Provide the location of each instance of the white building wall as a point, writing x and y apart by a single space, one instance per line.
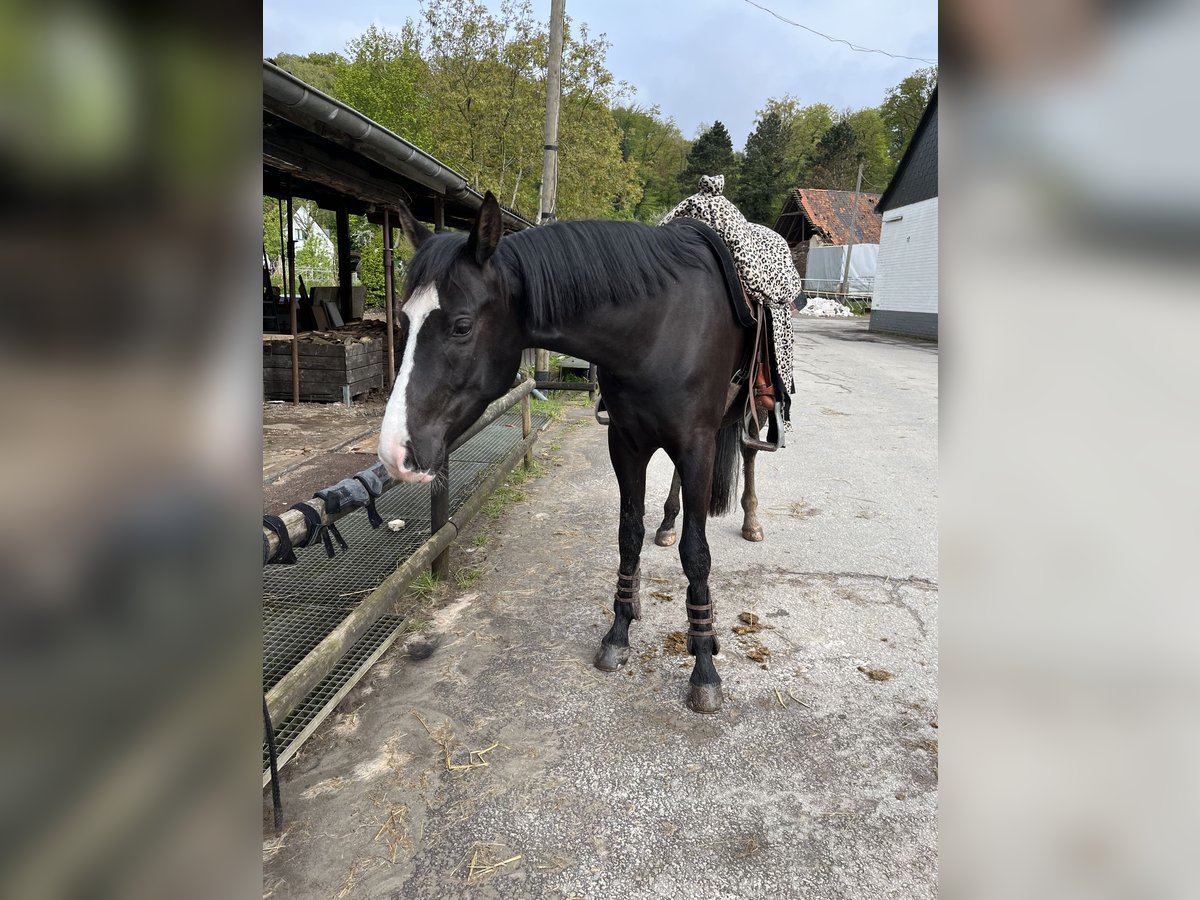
906 279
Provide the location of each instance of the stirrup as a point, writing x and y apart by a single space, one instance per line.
601 410
776 433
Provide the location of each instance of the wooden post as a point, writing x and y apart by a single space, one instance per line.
293 301
345 276
592 379
439 515
547 193
389 298
439 213
527 429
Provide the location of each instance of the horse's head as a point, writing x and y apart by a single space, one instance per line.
461 344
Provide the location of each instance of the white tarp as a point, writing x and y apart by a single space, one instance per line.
824 307
825 265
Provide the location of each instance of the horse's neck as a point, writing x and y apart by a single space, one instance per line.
601 336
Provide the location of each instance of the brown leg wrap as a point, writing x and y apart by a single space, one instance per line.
628 591
697 616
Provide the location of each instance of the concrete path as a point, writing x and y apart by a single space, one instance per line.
818 778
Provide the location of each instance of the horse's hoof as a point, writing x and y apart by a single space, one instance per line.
665 538
753 534
610 657
704 698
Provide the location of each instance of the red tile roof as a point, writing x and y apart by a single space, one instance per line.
830 212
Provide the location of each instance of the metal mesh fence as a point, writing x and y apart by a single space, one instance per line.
303 603
329 692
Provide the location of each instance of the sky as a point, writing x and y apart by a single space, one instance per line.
698 60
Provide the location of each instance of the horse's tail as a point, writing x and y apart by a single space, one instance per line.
725 469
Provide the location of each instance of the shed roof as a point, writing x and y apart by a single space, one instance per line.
830 214
317 147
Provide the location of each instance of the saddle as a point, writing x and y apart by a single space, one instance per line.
758 364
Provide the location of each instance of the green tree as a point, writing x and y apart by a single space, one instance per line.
488 79
272 243
804 126
594 178
765 172
314 261
384 78
870 145
368 242
317 69
658 151
903 106
711 154
834 164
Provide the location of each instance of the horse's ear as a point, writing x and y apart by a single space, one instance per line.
487 231
416 233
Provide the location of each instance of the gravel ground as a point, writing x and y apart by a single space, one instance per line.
818 778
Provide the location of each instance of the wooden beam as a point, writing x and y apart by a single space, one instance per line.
389 299
345 281
293 304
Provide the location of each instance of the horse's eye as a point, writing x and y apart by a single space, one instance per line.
462 327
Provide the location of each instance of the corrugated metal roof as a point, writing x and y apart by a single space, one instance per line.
832 212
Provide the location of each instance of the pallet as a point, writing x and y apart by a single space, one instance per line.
326 369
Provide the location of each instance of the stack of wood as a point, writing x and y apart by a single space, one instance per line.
330 361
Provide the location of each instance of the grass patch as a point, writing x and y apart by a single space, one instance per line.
504 497
481 538
464 578
425 585
510 491
553 406
523 473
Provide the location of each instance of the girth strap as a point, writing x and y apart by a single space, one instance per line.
761 373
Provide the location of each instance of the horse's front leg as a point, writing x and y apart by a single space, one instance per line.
751 528
704 689
630 467
665 536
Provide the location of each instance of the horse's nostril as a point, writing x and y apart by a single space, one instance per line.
393 457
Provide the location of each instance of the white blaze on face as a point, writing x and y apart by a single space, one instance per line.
394 434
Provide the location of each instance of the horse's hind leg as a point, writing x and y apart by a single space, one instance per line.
630 467
666 531
751 528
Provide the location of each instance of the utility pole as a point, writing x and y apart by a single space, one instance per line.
845 285
549 186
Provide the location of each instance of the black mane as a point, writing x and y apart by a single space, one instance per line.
559 271
568 268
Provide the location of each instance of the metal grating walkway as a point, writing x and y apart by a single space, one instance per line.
304 602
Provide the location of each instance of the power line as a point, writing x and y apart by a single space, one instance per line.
852 46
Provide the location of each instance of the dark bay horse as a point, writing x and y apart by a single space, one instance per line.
649 306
